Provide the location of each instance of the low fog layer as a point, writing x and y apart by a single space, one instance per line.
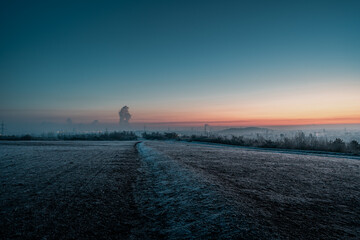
68 126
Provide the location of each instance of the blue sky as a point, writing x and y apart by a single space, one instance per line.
167 59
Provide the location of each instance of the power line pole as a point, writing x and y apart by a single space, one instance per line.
206 126
2 128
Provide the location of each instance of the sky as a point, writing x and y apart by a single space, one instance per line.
236 63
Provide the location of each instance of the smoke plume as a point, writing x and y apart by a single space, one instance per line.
124 115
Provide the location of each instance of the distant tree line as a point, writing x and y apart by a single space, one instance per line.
112 136
299 142
161 136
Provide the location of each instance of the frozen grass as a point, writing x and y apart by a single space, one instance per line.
179 205
299 142
174 190
291 195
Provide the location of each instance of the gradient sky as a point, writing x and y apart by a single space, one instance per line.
224 62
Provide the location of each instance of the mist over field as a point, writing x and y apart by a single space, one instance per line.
180 119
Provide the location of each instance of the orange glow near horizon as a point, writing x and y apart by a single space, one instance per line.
228 117
333 105
258 122
315 104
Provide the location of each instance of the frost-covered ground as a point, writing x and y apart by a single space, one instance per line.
67 190
180 205
290 195
174 190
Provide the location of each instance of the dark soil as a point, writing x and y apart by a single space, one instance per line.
68 190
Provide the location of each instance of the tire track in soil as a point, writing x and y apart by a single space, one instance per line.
178 204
